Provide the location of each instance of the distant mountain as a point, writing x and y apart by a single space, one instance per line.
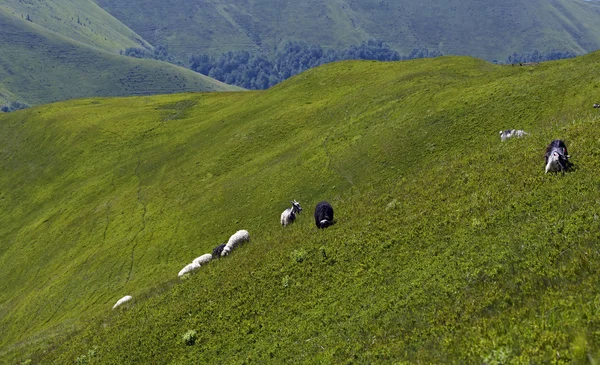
39 65
486 29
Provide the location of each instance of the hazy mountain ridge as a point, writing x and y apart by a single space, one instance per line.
485 29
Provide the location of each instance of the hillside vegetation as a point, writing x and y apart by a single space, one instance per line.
486 29
81 20
39 66
450 246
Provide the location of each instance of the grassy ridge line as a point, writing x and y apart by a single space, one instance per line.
83 21
418 138
40 66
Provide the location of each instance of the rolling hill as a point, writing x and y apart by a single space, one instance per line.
485 29
450 246
40 66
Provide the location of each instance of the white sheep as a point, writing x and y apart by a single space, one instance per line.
188 269
504 135
289 215
237 238
203 260
122 300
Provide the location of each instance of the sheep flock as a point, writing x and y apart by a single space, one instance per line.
556 159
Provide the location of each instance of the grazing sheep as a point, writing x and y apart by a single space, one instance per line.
203 260
237 238
188 269
504 135
596 105
217 251
289 215
122 300
324 215
557 157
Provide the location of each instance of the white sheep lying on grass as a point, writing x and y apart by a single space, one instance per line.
504 135
188 269
122 300
237 238
203 260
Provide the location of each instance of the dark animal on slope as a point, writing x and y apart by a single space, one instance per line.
217 251
596 105
324 215
557 157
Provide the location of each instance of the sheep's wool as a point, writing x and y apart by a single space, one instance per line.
122 300
237 238
188 269
202 260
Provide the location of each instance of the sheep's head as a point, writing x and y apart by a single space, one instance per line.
505 134
296 206
553 162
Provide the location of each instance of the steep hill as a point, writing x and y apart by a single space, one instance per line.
486 29
450 246
81 20
40 66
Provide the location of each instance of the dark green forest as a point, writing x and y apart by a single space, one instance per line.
262 70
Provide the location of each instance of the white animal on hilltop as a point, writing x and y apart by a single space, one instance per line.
236 239
122 300
289 215
504 135
203 260
188 269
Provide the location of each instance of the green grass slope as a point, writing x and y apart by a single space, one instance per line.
450 246
485 29
40 66
81 20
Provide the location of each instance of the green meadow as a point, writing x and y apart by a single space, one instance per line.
450 245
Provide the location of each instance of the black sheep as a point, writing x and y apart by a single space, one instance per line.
324 215
557 157
217 251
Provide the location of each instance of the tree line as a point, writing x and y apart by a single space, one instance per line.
13 106
537 56
261 71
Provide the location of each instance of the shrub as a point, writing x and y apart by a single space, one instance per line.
190 337
299 255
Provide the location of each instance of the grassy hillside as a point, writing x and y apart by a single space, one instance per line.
450 246
81 20
485 29
39 66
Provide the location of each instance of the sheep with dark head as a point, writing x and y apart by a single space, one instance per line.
218 250
289 215
324 215
557 157
596 105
